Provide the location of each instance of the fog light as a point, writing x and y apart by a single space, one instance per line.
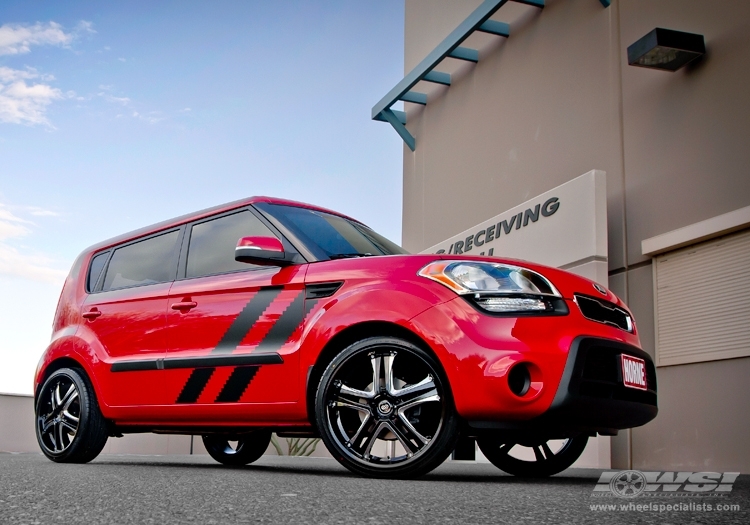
511 304
519 379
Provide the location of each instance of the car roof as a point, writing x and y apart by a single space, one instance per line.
207 212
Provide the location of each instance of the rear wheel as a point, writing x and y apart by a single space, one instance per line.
532 458
237 450
384 410
70 427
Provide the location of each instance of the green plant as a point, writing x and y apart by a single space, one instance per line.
295 446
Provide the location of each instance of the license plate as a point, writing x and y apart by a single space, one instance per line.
634 372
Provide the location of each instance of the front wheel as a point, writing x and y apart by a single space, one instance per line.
70 427
237 450
384 410
533 458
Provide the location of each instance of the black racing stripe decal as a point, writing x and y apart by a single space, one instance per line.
247 318
285 326
309 304
195 385
237 384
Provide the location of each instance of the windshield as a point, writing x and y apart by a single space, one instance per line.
329 236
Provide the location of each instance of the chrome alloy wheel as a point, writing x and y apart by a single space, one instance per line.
384 405
60 415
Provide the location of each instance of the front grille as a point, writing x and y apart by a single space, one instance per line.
604 312
601 376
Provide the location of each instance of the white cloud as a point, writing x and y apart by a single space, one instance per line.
17 263
122 59
16 39
29 266
84 26
22 103
120 100
36 211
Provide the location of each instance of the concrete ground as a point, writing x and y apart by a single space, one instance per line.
278 489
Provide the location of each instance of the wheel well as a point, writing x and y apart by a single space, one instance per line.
350 335
57 364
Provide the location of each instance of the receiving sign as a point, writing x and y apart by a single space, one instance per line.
565 227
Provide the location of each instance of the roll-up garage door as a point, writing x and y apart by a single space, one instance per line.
702 301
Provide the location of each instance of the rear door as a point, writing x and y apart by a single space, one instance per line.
233 328
125 315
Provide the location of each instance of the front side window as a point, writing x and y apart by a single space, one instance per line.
144 262
212 243
331 236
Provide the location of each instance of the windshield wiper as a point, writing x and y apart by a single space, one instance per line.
349 255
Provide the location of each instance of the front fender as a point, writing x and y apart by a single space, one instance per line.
377 302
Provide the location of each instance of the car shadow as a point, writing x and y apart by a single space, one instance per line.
335 471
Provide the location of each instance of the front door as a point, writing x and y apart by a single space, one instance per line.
233 328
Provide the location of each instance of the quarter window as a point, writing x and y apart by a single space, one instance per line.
95 270
212 243
149 261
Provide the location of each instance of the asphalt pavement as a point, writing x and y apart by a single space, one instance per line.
194 489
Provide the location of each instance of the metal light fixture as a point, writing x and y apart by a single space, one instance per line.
666 49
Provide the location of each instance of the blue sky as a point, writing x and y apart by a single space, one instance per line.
115 115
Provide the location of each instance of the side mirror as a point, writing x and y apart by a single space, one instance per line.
266 251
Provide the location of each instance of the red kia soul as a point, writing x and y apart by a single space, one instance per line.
265 315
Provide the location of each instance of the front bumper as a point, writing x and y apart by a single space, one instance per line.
591 396
575 384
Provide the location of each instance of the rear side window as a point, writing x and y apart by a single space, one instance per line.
212 243
145 262
95 270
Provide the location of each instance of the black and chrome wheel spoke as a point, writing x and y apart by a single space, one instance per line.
375 363
410 439
372 437
362 435
47 422
355 393
422 440
425 397
70 396
61 434
69 422
342 402
416 390
388 372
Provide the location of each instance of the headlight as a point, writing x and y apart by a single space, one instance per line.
496 287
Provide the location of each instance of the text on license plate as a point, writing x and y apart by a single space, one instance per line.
634 372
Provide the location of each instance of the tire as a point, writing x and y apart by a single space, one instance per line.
70 427
384 409
249 447
546 462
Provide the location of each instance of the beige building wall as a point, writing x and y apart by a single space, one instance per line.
558 99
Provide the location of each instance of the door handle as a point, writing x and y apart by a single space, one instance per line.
185 305
91 314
